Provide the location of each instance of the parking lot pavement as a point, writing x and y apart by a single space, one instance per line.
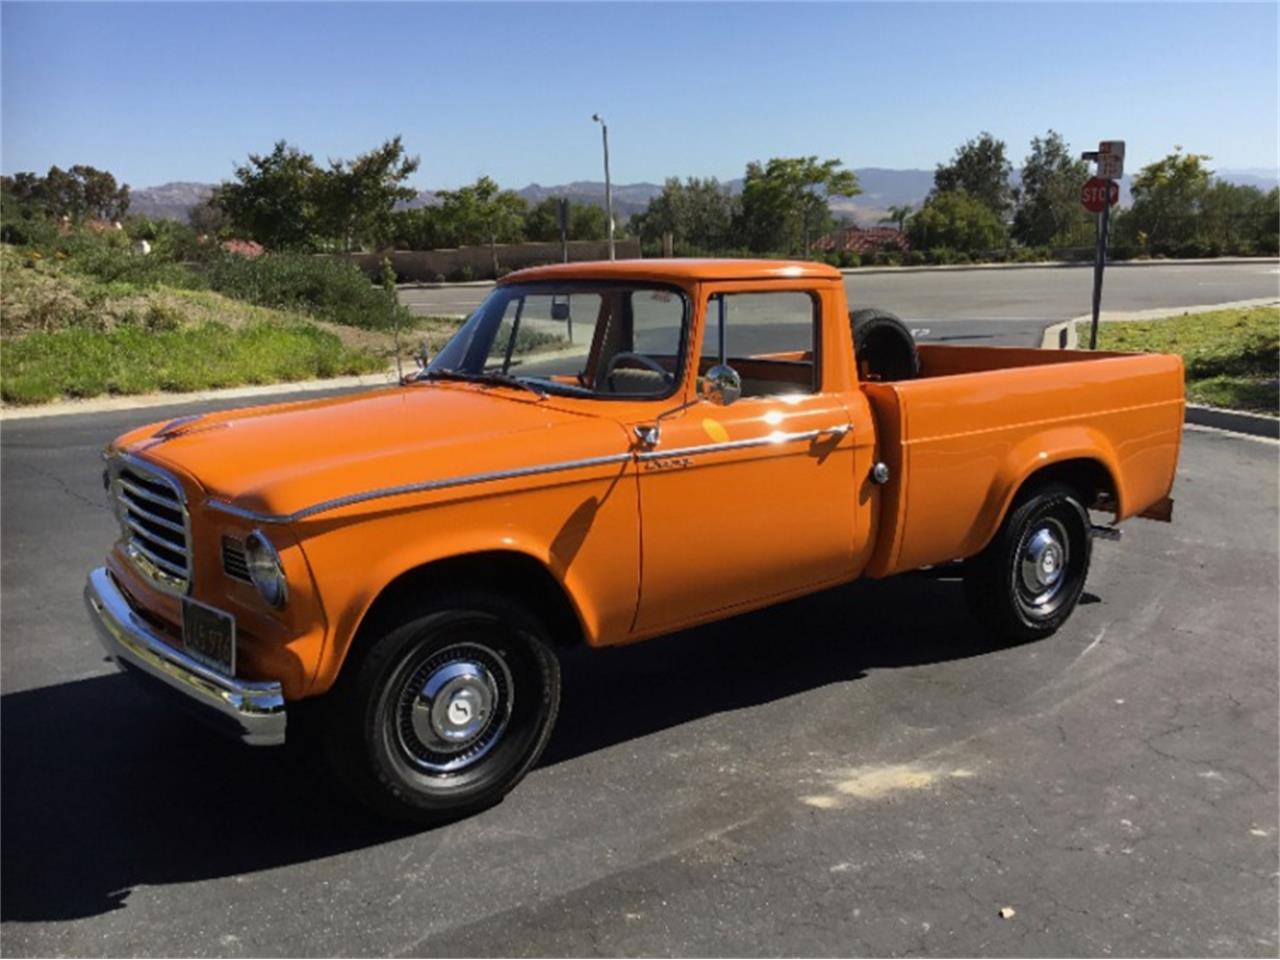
859 772
1005 306
1045 294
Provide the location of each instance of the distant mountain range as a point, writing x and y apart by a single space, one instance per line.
881 188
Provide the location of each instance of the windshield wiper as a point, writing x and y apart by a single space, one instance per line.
488 376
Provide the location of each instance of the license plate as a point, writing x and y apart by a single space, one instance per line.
209 635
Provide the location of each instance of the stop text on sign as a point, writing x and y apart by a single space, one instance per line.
1097 193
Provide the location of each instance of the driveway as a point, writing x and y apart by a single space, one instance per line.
862 771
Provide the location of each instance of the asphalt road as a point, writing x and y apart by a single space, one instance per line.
859 772
995 306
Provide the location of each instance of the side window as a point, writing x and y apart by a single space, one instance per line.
769 338
657 319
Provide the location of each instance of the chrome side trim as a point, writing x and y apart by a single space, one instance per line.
255 708
408 488
772 439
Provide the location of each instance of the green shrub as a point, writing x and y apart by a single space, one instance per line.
849 259
136 359
462 274
116 263
324 287
914 258
942 256
528 340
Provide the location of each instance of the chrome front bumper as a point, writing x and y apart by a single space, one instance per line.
253 711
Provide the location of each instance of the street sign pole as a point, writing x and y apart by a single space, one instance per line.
1099 262
1099 193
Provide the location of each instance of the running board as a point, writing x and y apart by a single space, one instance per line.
1105 533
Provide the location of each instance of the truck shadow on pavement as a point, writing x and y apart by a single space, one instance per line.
102 790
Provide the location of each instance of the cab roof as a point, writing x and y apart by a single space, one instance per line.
677 269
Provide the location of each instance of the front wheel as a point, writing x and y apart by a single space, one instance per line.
1027 581
446 712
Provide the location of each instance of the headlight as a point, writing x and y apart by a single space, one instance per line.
265 570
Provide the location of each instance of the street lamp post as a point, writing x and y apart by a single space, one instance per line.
608 185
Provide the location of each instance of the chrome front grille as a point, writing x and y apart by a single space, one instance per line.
153 516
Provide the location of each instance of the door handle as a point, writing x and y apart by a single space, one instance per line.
839 430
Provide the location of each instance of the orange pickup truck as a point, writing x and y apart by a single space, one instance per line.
604 452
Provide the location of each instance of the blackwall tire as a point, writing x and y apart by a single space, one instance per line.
444 713
1028 580
883 346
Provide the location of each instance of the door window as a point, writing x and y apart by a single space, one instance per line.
769 338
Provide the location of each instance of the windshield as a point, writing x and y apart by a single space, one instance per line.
581 338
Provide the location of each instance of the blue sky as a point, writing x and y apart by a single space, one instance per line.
182 91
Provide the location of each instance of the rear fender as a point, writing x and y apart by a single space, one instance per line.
1034 455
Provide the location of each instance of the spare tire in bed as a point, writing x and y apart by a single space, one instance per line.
883 346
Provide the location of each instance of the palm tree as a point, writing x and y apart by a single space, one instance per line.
899 216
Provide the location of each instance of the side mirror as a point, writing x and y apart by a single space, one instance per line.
721 385
560 311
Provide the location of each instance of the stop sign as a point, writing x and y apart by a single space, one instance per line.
1097 193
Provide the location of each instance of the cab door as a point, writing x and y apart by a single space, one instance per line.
753 500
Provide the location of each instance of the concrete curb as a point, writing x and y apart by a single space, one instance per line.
1065 335
1043 264
1234 421
107 404
428 285
933 268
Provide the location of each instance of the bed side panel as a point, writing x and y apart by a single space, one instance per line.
970 440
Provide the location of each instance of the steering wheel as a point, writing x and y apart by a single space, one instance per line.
640 360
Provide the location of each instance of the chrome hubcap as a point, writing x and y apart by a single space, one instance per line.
454 704
454 708
1043 562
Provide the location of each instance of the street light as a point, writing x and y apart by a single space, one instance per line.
608 185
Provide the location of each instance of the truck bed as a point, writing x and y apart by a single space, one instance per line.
961 439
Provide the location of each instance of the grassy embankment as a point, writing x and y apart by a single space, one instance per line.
84 317
1232 357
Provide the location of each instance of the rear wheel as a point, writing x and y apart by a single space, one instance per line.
1027 582
446 711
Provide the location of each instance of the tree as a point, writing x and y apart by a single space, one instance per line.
484 213
355 200
1048 200
1167 200
420 229
1266 219
274 199
587 221
979 168
83 192
954 220
784 202
697 213
898 216
208 218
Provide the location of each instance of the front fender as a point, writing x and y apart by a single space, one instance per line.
585 535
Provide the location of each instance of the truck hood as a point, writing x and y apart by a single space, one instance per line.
280 459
